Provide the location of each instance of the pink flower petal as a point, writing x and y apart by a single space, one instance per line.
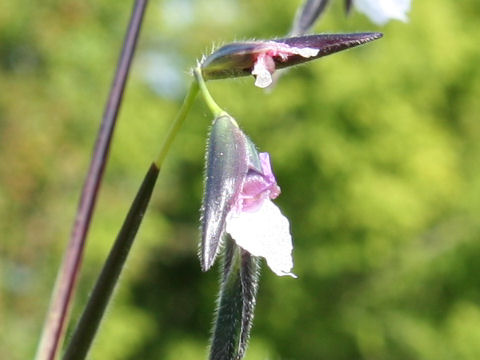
258 186
265 66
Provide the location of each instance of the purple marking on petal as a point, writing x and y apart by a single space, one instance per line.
255 222
258 187
254 192
268 173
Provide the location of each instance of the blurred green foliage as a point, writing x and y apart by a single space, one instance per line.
376 149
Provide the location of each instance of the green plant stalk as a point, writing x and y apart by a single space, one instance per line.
228 324
212 105
58 313
249 274
236 304
177 123
239 284
92 315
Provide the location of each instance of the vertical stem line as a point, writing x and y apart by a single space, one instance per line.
177 123
102 292
92 315
56 319
228 323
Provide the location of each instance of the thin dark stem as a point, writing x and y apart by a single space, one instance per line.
90 320
92 315
57 315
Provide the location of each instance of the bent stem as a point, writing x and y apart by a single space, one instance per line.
216 110
238 286
177 123
92 315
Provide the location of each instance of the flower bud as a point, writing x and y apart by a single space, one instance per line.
239 187
262 58
225 172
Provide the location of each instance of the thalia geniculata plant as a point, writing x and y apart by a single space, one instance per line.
239 217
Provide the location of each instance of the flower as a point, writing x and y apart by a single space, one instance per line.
256 223
381 11
264 65
239 188
262 58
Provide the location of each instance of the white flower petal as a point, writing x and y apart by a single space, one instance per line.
381 11
264 232
305 52
263 78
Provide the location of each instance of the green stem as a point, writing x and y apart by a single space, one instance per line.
212 105
228 323
97 303
62 296
236 304
177 123
92 315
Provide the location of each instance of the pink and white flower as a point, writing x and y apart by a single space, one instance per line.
262 58
239 190
256 223
264 65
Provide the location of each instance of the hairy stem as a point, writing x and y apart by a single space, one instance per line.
236 304
212 105
228 324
